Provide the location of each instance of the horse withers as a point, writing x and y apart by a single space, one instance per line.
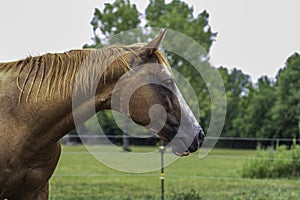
37 107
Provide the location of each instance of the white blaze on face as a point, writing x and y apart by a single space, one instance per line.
187 114
189 126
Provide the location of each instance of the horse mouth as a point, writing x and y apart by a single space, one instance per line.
180 148
186 153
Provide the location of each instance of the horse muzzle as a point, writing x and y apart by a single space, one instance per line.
183 147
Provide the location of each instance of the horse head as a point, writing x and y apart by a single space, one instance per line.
149 95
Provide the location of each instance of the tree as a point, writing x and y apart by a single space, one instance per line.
286 112
237 85
177 15
260 109
255 111
115 18
271 109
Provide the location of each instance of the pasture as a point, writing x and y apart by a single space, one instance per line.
80 176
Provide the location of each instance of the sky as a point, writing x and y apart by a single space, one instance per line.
255 36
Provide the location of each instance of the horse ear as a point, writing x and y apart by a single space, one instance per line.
147 50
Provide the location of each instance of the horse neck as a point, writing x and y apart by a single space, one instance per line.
51 112
42 105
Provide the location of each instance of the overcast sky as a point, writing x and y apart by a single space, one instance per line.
256 36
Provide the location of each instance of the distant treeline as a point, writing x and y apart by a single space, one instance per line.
269 108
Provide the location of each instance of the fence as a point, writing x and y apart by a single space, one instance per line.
148 140
223 155
221 166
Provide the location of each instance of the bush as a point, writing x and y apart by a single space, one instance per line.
282 163
187 196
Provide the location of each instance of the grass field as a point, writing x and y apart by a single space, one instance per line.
80 176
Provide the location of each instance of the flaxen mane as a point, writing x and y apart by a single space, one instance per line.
57 72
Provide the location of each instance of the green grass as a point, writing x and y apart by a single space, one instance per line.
216 177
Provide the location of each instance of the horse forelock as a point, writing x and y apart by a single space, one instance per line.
163 60
57 72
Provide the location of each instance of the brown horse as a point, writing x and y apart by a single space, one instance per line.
36 108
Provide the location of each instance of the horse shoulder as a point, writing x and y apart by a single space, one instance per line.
24 172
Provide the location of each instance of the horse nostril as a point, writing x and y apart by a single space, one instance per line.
194 146
201 136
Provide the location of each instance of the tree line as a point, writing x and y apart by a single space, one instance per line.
268 108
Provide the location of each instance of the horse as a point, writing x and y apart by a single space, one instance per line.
37 110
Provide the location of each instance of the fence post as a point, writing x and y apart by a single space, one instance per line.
162 173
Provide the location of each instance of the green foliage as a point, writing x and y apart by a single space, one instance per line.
237 85
260 109
271 108
255 116
192 194
281 163
286 111
176 15
116 17
267 109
